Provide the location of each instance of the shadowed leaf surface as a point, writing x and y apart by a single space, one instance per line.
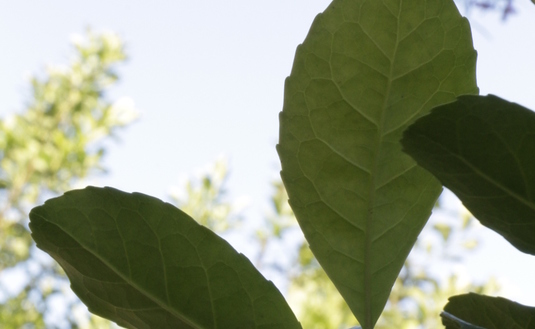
483 149
452 322
145 264
488 313
366 70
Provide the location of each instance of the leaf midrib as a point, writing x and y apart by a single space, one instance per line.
127 280
368 277
368 297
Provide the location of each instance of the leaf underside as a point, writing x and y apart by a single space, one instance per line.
488 312
483 149
452 322
143 263
366 70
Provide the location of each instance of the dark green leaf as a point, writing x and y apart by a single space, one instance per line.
450 321
487 312
483 149
366 70
145 264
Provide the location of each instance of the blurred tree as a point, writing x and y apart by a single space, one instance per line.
45 150
203 198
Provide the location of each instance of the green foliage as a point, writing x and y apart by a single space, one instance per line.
364 72
487 162
481 148
367 70
146 264
19 312
487 312
46 149
48 145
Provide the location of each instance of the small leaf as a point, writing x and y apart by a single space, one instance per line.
483 149
366 70
143 263
486 312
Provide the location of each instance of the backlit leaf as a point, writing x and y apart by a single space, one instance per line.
483 149
478 311
145 264
366 70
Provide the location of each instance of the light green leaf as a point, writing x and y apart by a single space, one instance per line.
479 311
483 149
145 264
366 70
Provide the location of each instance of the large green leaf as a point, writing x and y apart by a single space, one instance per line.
483 149
145 264
366 70
487 312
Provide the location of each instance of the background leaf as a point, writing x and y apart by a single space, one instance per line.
145 264
483 149
366 70
488 312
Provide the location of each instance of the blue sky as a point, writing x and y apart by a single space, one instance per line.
208 78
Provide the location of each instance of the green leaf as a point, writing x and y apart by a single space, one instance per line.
483 149
366 70
487 312
145 264
452 322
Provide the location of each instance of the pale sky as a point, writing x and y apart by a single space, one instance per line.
208 78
